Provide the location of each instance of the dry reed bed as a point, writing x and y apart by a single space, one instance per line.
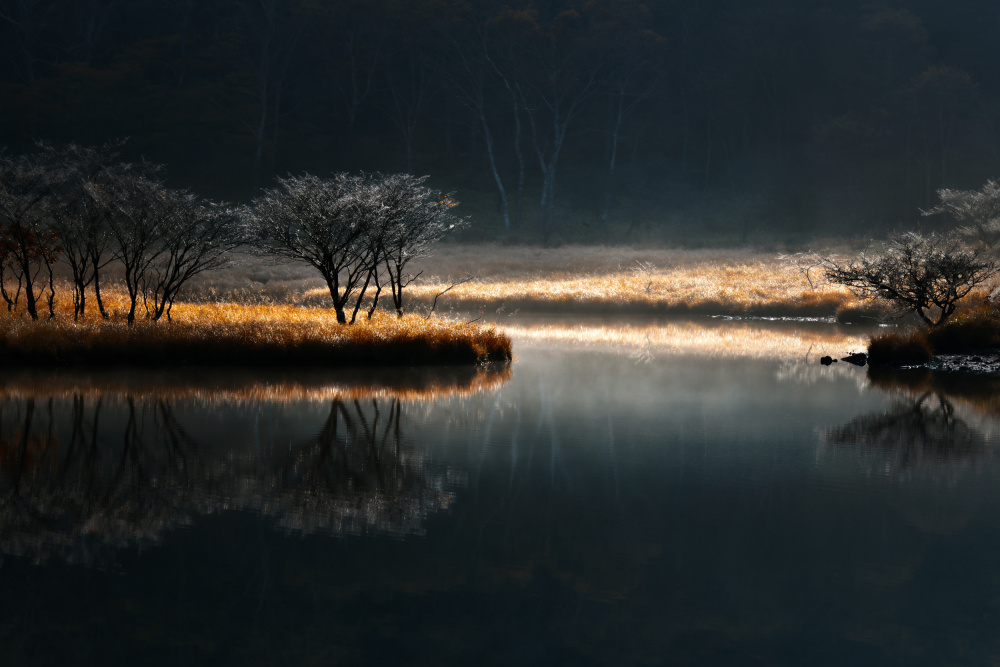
632 281
758 288
606 280
261 335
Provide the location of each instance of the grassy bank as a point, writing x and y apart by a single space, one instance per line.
973 329
579 279
259 335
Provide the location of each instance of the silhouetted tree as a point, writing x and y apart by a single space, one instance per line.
28 244
322 222
76 217
140 212
416 217
199 238
923 274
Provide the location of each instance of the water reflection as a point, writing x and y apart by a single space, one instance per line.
645 339
937 426
92 464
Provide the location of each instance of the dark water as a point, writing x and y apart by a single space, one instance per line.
592 508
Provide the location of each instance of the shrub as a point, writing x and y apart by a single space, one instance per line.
894 347
976 329
927 275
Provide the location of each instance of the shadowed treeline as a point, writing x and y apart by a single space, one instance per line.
675 119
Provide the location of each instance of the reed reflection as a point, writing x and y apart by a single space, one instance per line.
938 426
89 467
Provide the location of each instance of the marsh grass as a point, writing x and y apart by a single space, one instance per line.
629 281
895 347
227 334
975 329
573 279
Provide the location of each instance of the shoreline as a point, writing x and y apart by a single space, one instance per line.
231 335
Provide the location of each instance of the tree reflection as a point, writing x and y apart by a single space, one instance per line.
84 475
923 434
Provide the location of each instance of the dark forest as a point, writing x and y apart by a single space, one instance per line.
674 121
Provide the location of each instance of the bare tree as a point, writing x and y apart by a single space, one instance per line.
322 222
139 211
29 246
411 87
77 219
469 85
923 274
200 238
416 217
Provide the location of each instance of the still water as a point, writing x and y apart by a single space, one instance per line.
615 498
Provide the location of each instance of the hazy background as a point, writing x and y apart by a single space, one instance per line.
681 121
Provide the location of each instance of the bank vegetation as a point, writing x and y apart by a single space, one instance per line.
77 223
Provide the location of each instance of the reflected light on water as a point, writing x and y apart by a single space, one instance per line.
723 340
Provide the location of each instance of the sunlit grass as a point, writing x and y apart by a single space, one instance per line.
579 279
704 282
236 334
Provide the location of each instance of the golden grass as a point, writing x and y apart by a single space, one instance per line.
631 281
907 347
235 334
574 279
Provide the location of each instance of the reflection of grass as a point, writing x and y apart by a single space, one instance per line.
227 334
231 386
725 340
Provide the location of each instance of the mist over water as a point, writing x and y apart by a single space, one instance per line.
635 501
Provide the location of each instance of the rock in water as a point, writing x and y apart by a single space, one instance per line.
858 359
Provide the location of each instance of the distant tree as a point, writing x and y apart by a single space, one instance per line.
411 85
923 274
29 246
554 72
322 222
976 211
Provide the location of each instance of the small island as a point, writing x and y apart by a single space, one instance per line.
79 223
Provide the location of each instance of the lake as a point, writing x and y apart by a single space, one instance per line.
657 492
